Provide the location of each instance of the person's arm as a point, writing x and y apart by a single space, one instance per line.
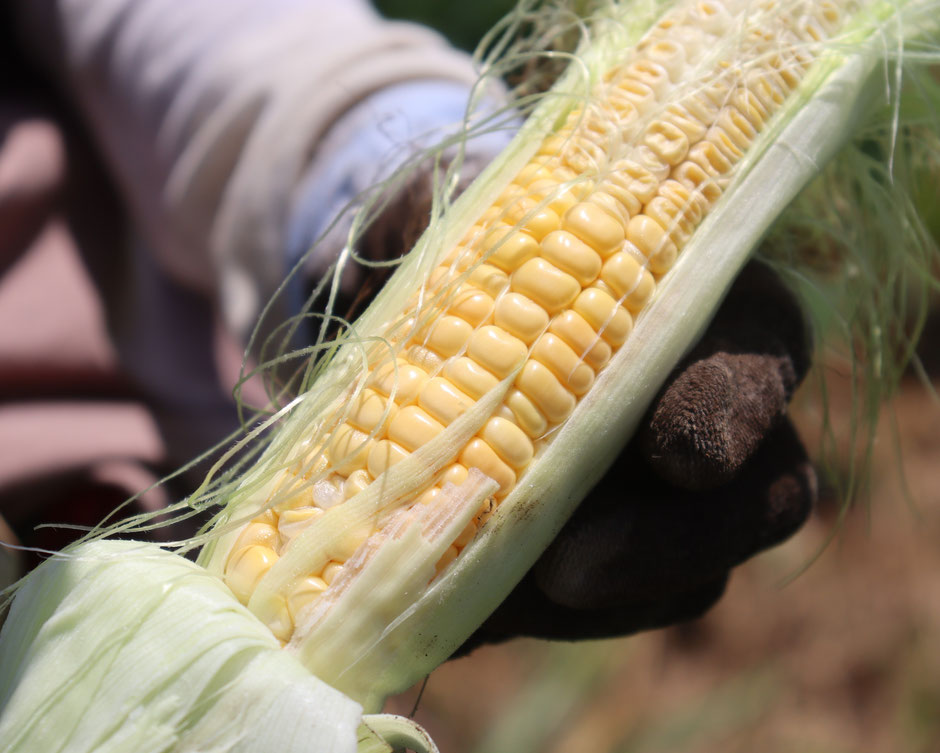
217 117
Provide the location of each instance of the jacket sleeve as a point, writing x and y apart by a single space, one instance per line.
211 113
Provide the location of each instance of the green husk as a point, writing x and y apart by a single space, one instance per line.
122 647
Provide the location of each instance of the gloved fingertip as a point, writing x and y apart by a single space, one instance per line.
692 439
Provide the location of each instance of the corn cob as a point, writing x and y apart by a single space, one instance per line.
528 308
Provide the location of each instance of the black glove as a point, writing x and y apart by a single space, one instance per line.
715 475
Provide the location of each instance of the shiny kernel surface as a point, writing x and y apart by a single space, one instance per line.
470 377
413 428
443 400
406 380
530 419
307 591
348 449
622 273
383 455
454 474
520 316
472 305
246 567
496 350
511 249
509 441
582 338
489 279
368 410
255 532
647 235
448 335
545 284
605 315
478 454
572 255
538 383
564 363
594 226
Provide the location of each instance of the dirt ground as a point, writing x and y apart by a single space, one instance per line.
818 646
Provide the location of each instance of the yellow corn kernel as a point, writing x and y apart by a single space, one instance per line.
605 315
424 358
348 449
545 284
510 249
527 415
693 127
404 378
368 409
478 454
614 202
650 73
413 427
292 522
520 316
678 225
448 335
638 94
653 241
443 400
383 455
628 280
594 226
307 591
454 474
578 334
509 441
538 383
257 532
496 350
564 363
538 221
571 255
331 571
489 279
357 482
470 377
472 305
669 55
668 142
246 567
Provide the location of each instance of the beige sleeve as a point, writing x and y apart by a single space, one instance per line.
210 112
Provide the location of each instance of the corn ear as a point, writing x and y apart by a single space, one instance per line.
771 92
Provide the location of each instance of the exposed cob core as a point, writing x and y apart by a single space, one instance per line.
546 285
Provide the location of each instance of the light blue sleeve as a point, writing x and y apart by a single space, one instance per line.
366 146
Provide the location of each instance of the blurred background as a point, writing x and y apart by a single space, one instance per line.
828 644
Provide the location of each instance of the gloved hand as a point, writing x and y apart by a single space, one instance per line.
715 475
